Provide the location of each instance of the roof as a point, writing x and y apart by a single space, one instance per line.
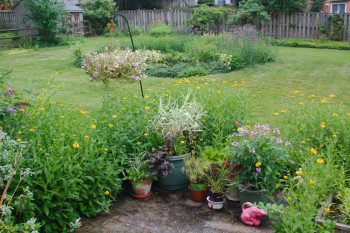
70 7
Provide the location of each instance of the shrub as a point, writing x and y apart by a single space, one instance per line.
319 44
164 44
160 29
98 12
119 64
205 16
47 17
334 30
193 71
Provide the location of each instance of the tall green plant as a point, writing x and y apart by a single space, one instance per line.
252 12
205 16
288 6
98 12
47 17
317 5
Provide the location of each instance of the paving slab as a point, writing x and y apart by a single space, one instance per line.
172 212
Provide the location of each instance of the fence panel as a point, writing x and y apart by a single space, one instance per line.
8 20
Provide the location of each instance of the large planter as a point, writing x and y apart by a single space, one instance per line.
339 227
176 180
198 195
141 189
232 194
253 196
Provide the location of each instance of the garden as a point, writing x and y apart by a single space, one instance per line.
229 117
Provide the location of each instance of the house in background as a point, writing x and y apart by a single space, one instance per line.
336 6
71 6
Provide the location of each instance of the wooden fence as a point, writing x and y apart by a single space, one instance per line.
297 25
8 20
143 18
303 25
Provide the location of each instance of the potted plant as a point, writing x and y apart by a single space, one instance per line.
263 157
217 184
195 169
140 176
178 121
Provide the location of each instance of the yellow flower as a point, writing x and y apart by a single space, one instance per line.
334 136
40 149
82 112
320 161
258 164
296 92
62 134
110 125
302 142
75 145
19 140
138 143
146 134
106 192
313 151
31 129
324 100
19 132
86 136
93 126
331 95
62 117
123 98
114 116
335 114
299 173
165 95
198 87
182 142
146 96
41 109
312 182
285 177
276 113
106 149
289 198
284 110
147 107
327 210
22 110
53 103
323 125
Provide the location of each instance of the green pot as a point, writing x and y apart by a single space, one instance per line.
247 195
176 180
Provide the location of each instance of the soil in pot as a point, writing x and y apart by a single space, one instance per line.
216 197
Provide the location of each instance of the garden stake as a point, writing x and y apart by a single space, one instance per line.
133 46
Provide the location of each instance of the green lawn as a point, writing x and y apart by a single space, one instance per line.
310 71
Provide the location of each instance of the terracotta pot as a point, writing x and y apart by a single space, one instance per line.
142 188
198 195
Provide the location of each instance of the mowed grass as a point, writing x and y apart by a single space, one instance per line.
271 86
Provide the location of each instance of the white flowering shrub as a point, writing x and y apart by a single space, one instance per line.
120 64
12 203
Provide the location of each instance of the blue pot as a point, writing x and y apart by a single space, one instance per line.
176 180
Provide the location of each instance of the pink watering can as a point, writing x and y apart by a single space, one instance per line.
251 216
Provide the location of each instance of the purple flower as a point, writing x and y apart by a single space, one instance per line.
266 127
257 126
85 66
11 91
117 41
121 61
234 143
137 78
95 74
258 169
278 140
252 151
11 111
136 65
276 130
287 143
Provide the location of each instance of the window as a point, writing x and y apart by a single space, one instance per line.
338 7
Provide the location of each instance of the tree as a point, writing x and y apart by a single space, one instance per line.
98 12
48 17
251 12
317 5
287 6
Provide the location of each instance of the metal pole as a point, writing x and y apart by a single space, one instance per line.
133 46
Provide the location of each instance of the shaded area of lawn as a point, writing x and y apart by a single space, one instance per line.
271 86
